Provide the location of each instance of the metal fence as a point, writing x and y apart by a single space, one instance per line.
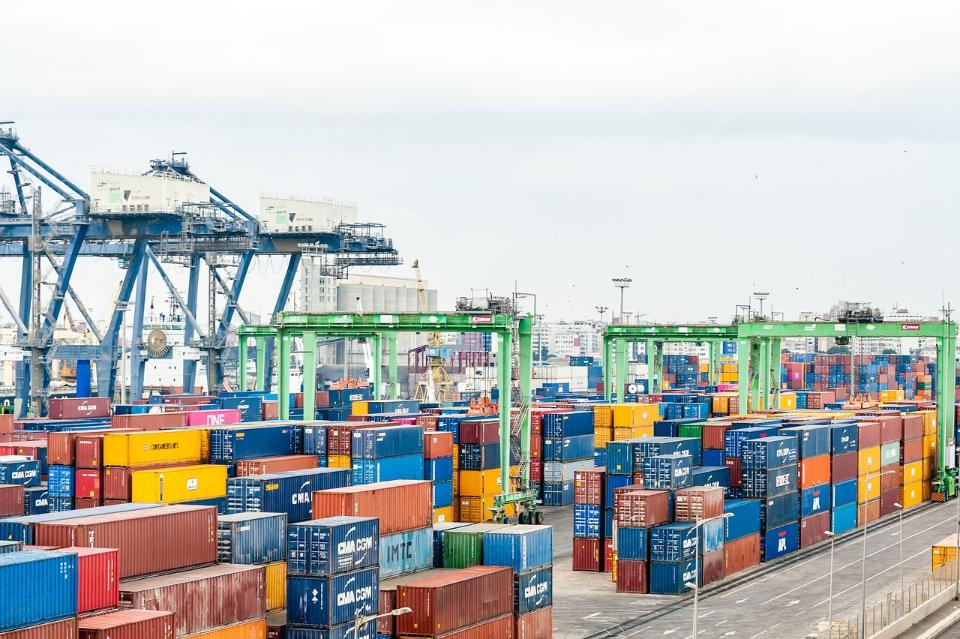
892 606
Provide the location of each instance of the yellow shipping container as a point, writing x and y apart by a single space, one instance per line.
911 494
632 432
929 465
443 514
912 472
478 508
869 461
868 487
253 629
788 401
891 396
721 404
360 408
943 551
175 485
480 482
204 444
926 490
930 446
603 416
339 461
151 448
456 456
929 421
276 576
602 435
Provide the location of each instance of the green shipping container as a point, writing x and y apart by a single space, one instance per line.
463 547
890 454
690 430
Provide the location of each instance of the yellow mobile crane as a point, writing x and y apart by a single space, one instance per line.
434 384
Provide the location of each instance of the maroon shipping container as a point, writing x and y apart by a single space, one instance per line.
340 436
586 555
740 554
457 599
698 502
150 421
637 507
98 578
82 503
203 598
265 465
129 624
116 481
535 625
911 451
78 407
632 576
6 423
61 446
887 500
912 426
733 463
402 504
35 449
868 512
868 434
814 529
87 484
11 499
713 436
499 628
891 428
437 444
149 541
480 431
844 467
66 629
588 486
88 451
890 480
269 410
711 566
536 470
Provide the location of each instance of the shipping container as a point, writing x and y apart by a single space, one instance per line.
11 500
64 629
36 501
214 417
253 629
98 576
406 552
813 529
522 547
180 484
251 538
670 578
814 471
78 407
533 589
769 452
387 441
17 469
275 575
632 576
129 624
815 500
534 625
330 600
333 545
844 467
632 543
780 541
640 507
235 443
21 528
673 542
711 567
37 587
151 448
586 555
151 540
288 492
281 464
369 471
741 553
400 505
463 547
745 520
455 599
695 503
843 518
343 631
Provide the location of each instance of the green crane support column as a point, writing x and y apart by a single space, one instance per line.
525 331
651 350
946 382
743 375
606 351
261 363
774 375
760 352
283 375
392 365
504 366
242 364
711 370
658 365
376 345
309 375
623 366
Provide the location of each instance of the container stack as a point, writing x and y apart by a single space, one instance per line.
528 550
479 468
636 514
741 535
589 521
843 474
122 454
258 539
770 474
567 447
815 443
386 453
891 470
704 505
438 468
868 472
288 493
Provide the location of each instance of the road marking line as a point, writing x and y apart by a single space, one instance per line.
925 551
591 616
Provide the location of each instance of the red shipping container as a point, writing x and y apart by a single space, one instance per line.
33 449
888 499
129 624
149 421
66 629
814 471
890 480
340 436
480 431
632 576
912 426
78 407
536 446
741 554
11 499
711 567
499 628
6 423
813 529
81 503
436 445
535 625
98 578
911 451
266 465
270 409
868 434
698 502
868 512
456 599
203 598
891 428
87 484
88 451
213 417
149 541
608 554
61 446
401 504
733 463
536 470
713 435
637 507
588 486
586 555
843 467
8 448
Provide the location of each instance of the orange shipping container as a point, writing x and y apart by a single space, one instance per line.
437 444
400 504
281 464
814 471
253 629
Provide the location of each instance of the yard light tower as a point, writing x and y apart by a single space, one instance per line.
622 283
761 295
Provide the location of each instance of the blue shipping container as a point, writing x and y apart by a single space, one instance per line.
650 446
479 456
844 438
769 452
710 476
780 510
230 444
568 448
288 492
844 492
314 439
36 500
15 469
522 547
332 545
769 483
745 520
814 439
711 536
619 458
331 600
572 424
673 542
669 578
251 538
558 494
533 590
780 541
406 552
586 521
10 546
843 518
388 441
613 482
369 471
632 543
60 481
37 587
667 471
251 408
442 493
814 500
713 457
438 469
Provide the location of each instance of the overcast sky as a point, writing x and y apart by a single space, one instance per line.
705 149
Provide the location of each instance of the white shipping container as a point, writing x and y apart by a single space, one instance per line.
301 215
120 193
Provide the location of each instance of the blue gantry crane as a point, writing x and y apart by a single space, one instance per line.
217 234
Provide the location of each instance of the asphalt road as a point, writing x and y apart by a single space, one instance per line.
786 598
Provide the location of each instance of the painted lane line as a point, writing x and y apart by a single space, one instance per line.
590 616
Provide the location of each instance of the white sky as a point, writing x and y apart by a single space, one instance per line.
705 149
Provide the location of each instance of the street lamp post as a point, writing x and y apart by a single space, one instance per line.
622 283
832 535
361 621
863 567
695 584
899 508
